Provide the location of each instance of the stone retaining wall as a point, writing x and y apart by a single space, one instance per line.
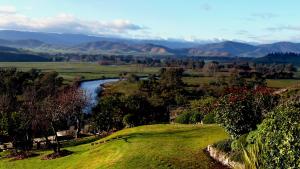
223 158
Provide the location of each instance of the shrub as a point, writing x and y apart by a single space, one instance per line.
195 118
183 118
204 105
224 145
132 78
277 139
237 156
130 120
189 117
209 119
242 109
240 143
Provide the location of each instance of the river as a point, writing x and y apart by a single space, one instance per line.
92 88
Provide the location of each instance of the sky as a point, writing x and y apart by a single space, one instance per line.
259 21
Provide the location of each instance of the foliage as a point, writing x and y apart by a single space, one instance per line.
209 119
224 145
237 156
132 78
183 118
195 118
204 105
252 155
116 110
242 109
240 143
189 117
108 115
279 138
130 120
33 103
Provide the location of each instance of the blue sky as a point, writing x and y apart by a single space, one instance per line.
194 20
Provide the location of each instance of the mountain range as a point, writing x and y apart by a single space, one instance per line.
78 43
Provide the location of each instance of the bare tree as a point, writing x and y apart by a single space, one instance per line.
65 105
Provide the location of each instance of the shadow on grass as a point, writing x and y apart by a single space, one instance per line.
188 134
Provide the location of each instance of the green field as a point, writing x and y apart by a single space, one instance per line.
154 146
275 83
87 70
70 70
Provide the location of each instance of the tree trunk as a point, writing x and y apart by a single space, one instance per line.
56 148
77 128
48 143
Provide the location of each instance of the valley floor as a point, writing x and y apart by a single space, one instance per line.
145 147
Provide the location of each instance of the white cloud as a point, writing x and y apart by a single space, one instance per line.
64 23
7 9
284 27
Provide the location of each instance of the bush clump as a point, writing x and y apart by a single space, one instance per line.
224 145
189 117
242 110
209 119
240 143
130 120
276 142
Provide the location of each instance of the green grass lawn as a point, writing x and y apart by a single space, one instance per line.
154 146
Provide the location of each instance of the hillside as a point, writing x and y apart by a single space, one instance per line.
229 47
155 146
121 47
80 43
76 39
280 58
8 54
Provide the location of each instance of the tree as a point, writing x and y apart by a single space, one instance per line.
203 106
211 68
61 107
171 87
6 107
108 114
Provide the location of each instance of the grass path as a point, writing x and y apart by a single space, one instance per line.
145 147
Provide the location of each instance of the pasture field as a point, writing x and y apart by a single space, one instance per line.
274 83
70 70
89 70
153 146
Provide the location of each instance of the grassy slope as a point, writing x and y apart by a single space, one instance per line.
155 146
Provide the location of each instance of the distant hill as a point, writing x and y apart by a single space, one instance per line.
228 48
223 49
118 47
77 43
8 54
76 39
280 58
280 47
28 43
